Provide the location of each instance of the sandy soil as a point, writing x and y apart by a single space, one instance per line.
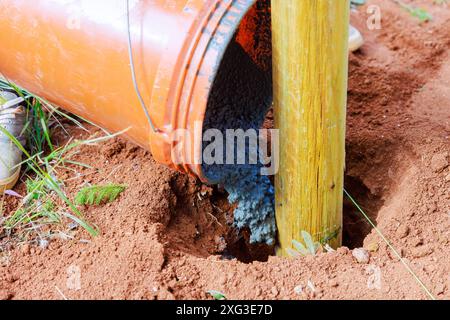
169 237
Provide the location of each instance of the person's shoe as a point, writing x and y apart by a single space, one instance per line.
12 119
355 40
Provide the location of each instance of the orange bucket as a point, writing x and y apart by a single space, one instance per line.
75 55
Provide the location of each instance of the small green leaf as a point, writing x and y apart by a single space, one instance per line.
417 12
292 253
309 242
422 14
300 247
217 295
98 194
333 235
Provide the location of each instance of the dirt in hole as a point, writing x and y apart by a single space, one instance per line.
205 228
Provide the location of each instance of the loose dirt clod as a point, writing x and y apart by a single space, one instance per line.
439 162
402 231
6 295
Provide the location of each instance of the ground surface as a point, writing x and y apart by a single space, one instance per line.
167 236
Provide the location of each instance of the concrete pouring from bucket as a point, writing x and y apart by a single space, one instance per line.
244 109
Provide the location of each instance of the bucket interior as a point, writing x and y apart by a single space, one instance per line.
241 94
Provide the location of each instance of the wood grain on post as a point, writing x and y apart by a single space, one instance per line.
310 52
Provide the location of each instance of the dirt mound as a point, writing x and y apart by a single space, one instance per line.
168 236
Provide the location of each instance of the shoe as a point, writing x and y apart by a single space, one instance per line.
355 40
12 119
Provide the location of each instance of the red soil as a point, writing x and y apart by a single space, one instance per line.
168 236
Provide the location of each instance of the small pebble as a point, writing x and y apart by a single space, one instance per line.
275 291
361 255
221 243
43 244
298 289
311 286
